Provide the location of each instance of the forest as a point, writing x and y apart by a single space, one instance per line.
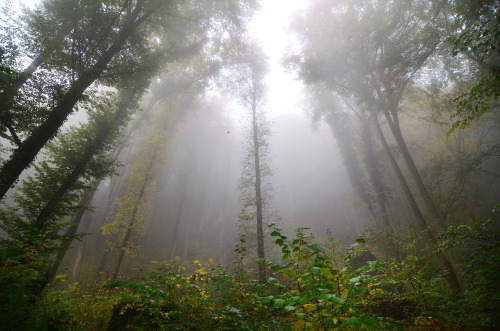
249 165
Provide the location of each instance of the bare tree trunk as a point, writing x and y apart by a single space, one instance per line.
258 195
436 219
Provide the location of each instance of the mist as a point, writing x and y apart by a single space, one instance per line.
284 155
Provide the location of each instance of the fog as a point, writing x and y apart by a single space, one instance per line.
134 136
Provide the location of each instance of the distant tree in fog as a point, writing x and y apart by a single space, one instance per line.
246 83
370 51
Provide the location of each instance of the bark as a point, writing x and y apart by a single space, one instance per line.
258 193
373 169
9 93
26 152
419 218
436 220
71 232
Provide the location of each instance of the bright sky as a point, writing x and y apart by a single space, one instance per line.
270 28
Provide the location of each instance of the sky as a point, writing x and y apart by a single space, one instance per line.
269 26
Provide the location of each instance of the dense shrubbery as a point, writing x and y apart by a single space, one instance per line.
310 286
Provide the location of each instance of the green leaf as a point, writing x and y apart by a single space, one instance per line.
261 260
300 316
266 299
331 298
233 310
278 303
313 246
354 321
275 267
289 308
374 264
275 234
305 276
279 241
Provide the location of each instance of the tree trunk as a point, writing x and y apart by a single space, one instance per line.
258 195
125 239
26 152
373 169
9 93
436 219
352 163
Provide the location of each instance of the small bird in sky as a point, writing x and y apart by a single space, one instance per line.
228 131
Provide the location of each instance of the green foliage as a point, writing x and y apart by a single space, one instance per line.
311 288
480 302
21 282
480 38
410 286
409 283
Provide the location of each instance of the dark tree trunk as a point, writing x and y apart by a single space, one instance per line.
437 221
258 193
26 152
9 93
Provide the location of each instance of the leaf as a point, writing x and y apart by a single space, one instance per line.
305 276
266 299
275 267
233 310
261 260
374 264
114 284
300 316
275 234
313 246
278 303
289 308
354 321
331 298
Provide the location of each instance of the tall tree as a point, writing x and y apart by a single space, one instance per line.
102 43
131 212
246 83
372 52
70 165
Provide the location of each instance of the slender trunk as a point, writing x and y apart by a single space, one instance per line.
9 93
258 195
419 218
352 164
373 169
46 213
436 219
131 223
71 232
175 234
